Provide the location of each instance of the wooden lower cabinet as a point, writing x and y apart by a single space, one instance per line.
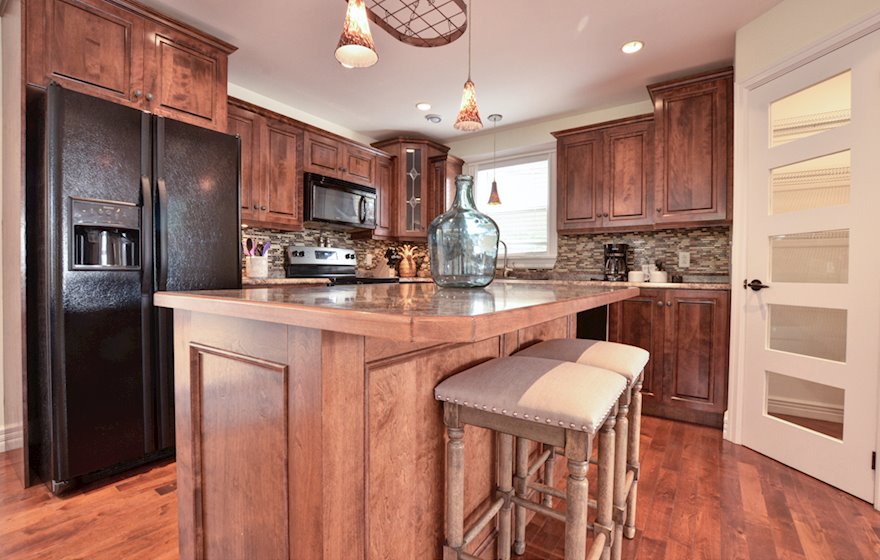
687 333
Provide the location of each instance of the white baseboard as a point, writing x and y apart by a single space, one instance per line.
10 438
805 409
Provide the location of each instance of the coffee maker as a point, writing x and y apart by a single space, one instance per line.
615 262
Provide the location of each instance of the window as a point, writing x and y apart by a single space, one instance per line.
526 215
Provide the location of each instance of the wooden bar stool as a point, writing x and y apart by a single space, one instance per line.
556 403
628 361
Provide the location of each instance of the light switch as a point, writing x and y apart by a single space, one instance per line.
684 259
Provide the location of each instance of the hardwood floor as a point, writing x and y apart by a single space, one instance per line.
705 499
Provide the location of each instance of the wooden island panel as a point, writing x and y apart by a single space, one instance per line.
297 442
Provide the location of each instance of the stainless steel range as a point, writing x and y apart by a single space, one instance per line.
340 265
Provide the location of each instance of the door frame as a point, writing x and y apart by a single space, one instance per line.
739 234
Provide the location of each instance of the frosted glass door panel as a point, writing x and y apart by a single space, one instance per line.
820 107
820 257
809 331
815 183
814 406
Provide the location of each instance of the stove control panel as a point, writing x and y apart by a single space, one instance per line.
321 256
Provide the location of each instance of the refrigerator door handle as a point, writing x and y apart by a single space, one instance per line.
162 232
146 236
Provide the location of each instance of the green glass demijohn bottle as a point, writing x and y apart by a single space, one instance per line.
463 242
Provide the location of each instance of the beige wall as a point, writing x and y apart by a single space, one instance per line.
268 103
791 26
522 137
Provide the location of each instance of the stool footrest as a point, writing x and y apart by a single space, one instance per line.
597 548
483 520
544 489
539 462
542 509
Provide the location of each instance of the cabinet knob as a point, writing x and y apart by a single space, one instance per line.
659 303
262 207
256 206
138 93
668 304
605 215
659 210
149 96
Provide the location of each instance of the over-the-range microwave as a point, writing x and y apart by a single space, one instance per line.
337 203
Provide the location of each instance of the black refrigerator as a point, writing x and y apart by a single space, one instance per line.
119 204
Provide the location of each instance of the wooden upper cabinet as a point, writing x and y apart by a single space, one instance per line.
385 217
186 79
336 158
247 126
282 204
580 172
322 155
693 148
128 54
86 45
271 167
605 175
628 172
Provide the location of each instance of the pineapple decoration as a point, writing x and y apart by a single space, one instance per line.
407 267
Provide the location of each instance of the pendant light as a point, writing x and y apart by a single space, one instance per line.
494 199
356 48
469 116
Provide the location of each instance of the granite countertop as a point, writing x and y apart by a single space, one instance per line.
646 285
248 282
409 311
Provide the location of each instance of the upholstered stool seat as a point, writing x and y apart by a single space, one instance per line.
628 361
557 403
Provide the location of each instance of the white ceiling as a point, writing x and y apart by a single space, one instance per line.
532 60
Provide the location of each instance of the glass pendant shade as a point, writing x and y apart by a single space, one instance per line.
463 242
494 199
468 116
356 48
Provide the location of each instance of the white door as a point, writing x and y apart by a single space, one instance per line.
812 337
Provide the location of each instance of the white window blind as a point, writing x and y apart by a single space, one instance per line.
525 215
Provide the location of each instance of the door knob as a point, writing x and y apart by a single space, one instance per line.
755 285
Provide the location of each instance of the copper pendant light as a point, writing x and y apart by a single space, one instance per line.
494 199
468 115
356 48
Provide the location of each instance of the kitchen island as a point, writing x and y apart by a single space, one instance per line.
306 422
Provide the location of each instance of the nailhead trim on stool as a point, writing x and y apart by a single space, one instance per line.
629 361
553 402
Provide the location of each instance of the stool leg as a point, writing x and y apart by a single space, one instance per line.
635 433
549 477
522 469
505 486
621 434
605 501
578 448
454 482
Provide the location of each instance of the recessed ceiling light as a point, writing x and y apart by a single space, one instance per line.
423 106
432 118
632 47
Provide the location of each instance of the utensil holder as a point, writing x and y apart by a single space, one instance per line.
256 267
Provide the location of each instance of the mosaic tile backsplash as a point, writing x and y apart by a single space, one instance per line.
709 248
578 255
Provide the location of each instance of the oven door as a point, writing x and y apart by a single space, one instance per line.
343 204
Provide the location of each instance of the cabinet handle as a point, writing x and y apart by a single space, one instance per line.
138 93
149 96
659 303
668 304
